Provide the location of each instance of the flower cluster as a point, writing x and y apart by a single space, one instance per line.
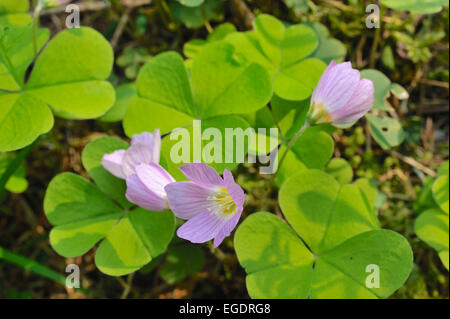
212 205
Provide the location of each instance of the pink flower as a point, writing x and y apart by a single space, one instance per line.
341 97
138 165
211 205
145 149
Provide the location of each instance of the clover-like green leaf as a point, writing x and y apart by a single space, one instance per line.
340 169
440 191
164 88
92 161
192 47
215 150
334 237
432 227
284 53
68 76
381 84
279 265
344 210
17 53
125 96
388 132
180 262
418 6
83 214
444 169
313 149
329 49
14 12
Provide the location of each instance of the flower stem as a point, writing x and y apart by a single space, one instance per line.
205 19
292 142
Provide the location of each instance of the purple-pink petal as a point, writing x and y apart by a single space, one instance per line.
113 163
341 94
202 174
135 155
152 141
187 199
359 104
146 187
226 230
202 227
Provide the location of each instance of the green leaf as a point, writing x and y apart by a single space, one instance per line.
284 53
387 57
239 86
432 227
192 47
14 12
329 49
22 119
388 132
276 261
279 265
134 241
191 3
164 88
193 16
440 191
425 198
209 145
344 210
17 183
313 149
70 74
180 262
418 6
382 86
299 6
444 169
341 170
92 161
17 53
80 213
399 91
125 96
82 216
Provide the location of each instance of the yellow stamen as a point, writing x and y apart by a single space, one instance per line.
224 201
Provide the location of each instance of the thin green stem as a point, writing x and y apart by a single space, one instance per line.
205 20
275 120
291 144
376 39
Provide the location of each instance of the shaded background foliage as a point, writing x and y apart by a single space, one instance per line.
411 49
